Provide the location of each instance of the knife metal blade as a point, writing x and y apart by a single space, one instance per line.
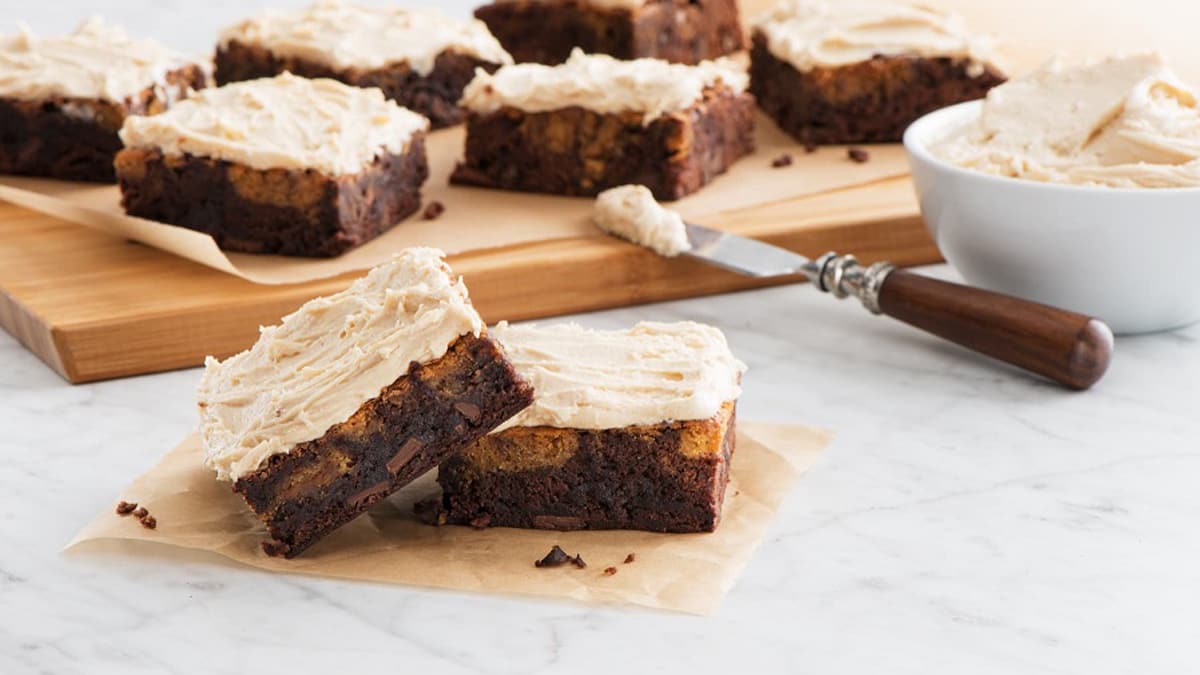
747 256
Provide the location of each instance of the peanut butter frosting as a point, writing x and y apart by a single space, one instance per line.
632 213
831 33
284 122
350 35
602 84
1123 122
600 4
96 61
609 379
324 361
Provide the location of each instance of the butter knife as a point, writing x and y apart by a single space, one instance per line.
1071 349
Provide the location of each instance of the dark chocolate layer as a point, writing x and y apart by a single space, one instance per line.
427 415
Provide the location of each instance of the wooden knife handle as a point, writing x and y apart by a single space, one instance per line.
1066 347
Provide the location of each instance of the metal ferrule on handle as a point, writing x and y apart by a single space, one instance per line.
844 277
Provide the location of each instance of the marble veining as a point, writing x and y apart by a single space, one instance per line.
966 520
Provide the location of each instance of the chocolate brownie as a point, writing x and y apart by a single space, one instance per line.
628 430
681 31
63 99
862 74
594 123
278 181
419 58
354 396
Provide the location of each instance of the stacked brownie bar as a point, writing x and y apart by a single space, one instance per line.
63 99
681 31
422 59
861 71
595 123
280 165
629 429
352 397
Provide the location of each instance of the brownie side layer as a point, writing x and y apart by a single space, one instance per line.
578 152
435 95
424 417
76 139
300 213
682 31
869 102
636 478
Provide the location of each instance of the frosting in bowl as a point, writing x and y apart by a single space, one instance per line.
1123 122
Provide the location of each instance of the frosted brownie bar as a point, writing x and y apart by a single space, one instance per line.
63 99
280 165
680 31
420 58
861 71
630 429
352 397
595 123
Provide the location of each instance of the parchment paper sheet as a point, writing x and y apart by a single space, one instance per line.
681 572
475 219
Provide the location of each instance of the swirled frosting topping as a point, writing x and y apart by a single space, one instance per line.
324 361
284 122
1123 122
350 35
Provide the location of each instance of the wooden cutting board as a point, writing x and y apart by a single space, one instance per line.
94 306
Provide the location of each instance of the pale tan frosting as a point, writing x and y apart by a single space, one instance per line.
1124 122
324 361
350 35
608 379
602 4
632 213
284 122
96 61
600 83
831 33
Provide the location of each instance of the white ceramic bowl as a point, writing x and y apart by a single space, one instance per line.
1128 256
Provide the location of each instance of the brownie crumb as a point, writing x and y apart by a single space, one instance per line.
609 571
810 147
430 511
434 210
274 548
781 161
555 558
629 558
125 508
481 522
141 512
578 561
858 155
149 522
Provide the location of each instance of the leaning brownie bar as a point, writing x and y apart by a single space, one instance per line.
629 430
862 75
681 31
63 99
419 58
354 396
595 123
282 165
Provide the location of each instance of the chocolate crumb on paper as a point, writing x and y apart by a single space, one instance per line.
781 161
479 523
629 558
810 147
141 512
430 511
578 561
149 522
555 558
125 508
858 155
434 210
609 571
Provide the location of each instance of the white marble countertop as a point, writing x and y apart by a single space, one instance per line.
967 519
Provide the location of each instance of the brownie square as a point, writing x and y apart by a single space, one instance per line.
56 122
681 31
608 133
256 194
419 58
